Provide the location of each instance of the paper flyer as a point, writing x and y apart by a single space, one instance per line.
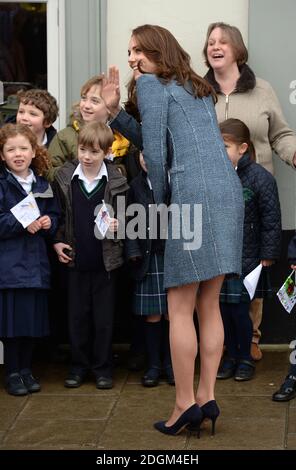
287 293
102 220
251 280
26 211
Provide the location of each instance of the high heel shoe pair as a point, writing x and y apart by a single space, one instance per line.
191 419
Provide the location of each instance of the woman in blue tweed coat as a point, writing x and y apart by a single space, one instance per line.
187 165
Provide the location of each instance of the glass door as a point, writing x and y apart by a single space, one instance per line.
31 50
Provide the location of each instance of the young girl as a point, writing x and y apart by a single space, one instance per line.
261 244
24 267
91 107
150 299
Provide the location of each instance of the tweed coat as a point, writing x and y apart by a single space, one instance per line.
187 161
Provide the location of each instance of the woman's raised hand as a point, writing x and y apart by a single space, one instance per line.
111 91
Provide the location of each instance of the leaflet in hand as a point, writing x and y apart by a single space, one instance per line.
287 293
251 280
26 211
102 220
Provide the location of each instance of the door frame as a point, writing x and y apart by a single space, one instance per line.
56 55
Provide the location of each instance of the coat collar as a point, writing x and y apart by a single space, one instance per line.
246 81
40 186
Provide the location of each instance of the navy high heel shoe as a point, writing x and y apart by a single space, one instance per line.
192 416
210 410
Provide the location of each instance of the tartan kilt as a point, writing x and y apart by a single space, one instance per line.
233 290
150 297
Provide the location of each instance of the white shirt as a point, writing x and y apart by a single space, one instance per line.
27 182
90 185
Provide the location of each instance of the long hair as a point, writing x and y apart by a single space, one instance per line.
41 162
236 41
75 114
171 60
236 131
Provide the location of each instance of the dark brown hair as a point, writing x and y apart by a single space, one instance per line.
235 39
235 130
41 162
43 100
96 135
172 62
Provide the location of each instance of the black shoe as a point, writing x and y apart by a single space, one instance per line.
73 381
169 375
245 371
151 378
191 417
104 383
287 390
30 382
227 368
15 385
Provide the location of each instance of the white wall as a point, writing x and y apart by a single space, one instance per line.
186 19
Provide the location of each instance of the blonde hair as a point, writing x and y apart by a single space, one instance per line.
97 80
96 135
235 39
41 162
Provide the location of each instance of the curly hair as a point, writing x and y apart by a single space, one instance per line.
43 100
41 163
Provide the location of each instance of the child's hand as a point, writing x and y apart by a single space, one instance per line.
111 91
45 222
293 266
34 227
59 249
267 262
113 227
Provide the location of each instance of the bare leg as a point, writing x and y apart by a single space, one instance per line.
211 337
183 341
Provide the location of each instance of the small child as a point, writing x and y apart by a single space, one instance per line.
287 390
150 299
38 110
24 266
90 108
261 244
82 186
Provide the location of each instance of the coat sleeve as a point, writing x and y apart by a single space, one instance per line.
60 230
282 138
270 219
9 225
129 127
153 102
63 147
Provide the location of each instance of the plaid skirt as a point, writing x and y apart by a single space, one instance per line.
150 298
234 292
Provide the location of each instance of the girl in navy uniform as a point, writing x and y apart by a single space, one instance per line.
261 245
24 266
150 299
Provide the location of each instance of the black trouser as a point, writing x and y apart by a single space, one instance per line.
238 329
91 299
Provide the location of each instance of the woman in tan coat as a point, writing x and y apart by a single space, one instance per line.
244 96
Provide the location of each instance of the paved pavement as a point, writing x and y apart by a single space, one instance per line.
86 418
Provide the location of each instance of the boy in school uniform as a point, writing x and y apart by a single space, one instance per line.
38 110
82 186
